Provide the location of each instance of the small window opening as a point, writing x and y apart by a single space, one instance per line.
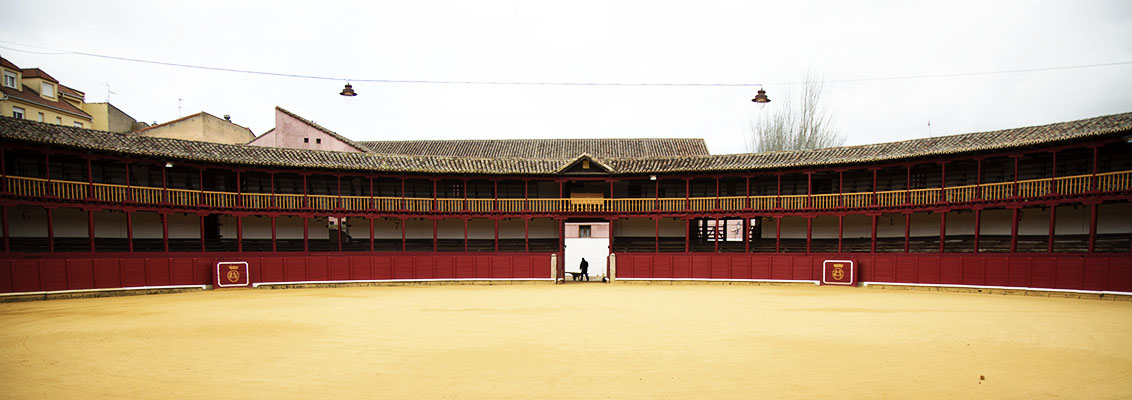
306 140
584 231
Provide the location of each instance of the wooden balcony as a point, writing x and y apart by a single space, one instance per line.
72 191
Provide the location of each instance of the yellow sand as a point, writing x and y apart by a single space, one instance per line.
570 341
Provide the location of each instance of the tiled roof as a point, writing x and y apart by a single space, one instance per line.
70 91
8 64
14 130
32 73
353 144
31 96
543 148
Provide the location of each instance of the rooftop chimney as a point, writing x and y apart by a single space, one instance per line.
227 117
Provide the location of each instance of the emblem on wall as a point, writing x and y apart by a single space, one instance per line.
233 273
839 272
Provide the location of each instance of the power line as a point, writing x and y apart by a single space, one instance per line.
300 76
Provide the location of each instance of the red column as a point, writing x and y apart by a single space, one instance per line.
465 235
1092 228
339 205
306 229
687 194
164 184
434 236
687 233
778 233
717 194
526 234
809 232
841 188
908 185
907 232
4 223
873 246
978 221
200 187
50 232
1093 184
1014 230
942 231
496 221
778 195
943 181
89 179
129 231
1015 191
239 190
165 232
371 219
1052 224
840 232
90 229
200 219
747 234
47 172
4 180
874 186
747 200
239 234
273 248
405 222
306 204
341 224
656 192
1053 182
656 237
979 178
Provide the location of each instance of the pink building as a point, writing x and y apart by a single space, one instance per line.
295 132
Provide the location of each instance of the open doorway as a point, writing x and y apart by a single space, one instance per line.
588 240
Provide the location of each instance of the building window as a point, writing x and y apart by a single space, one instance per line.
47 90
17 112
318 141
584 231
306 140
78 124
58 120
40 117
10 79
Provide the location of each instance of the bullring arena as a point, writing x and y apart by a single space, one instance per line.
980 265
568 341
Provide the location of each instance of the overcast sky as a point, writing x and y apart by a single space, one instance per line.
588 41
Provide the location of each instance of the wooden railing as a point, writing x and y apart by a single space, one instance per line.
80 191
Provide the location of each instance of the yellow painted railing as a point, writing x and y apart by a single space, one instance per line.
146 195
1031 188
72 190
69 190
356 203
998 191
1073 184
794 202
108 192
1112 181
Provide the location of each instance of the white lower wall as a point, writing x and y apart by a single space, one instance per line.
594 250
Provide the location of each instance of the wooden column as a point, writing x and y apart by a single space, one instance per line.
165 232
526 234
496 222
371 221
840 232
907 232
200 218
1014 230
777 234
978 221
465 235
435 238
89 179
1052 225
50 232
406 222
873 246
1092 228
239 234
306 231
942 232
274 248
687 233
90 230
809 232
129 231
656 237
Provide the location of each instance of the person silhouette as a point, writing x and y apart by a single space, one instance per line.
585 269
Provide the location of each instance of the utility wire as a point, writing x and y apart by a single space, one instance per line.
243 71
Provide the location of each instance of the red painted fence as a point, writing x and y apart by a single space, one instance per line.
73 272
1053 271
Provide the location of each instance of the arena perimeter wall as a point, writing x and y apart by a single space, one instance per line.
72 272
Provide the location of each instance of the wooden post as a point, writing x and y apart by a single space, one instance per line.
1092 228
978 221
656 237
777 234
239 234
873 246
90 230
840 232
907 232
942 232
1014 230
200 219
809 232
1052 225
306 231
274 248
435 238
165 232
371 219
129 231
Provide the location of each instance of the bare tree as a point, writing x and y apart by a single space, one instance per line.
800 123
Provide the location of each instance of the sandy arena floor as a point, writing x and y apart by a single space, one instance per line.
571 341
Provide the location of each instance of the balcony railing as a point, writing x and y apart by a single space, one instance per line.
38 188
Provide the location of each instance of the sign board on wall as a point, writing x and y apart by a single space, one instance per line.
231 274
839 272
